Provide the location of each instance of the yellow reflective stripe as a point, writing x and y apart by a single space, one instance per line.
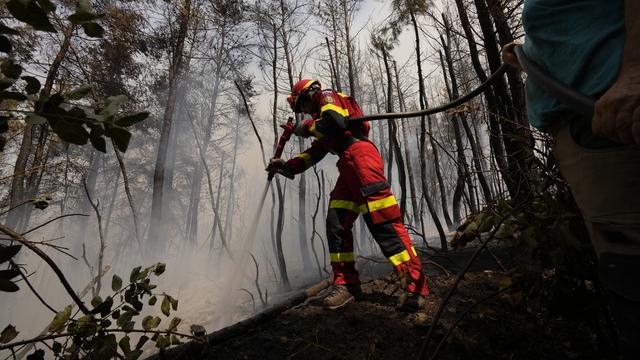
312 130
307 160
343 95
382 203
307 85
338 109
349 205
342 257
400 258
413 250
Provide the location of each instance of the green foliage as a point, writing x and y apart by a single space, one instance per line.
93 335
67 113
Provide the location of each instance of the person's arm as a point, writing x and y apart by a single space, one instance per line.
307 158
617 112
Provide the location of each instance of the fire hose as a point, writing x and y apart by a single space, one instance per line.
576 101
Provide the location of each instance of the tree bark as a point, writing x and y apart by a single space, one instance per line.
157 202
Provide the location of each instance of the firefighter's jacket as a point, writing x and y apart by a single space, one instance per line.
331 128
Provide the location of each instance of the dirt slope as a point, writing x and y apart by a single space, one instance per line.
371 328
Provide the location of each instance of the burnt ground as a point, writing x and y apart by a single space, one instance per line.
372 328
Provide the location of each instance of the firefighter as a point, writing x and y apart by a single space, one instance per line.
361 189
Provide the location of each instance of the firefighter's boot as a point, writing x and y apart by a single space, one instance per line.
411 302
340 295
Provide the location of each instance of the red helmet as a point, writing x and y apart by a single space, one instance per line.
301 88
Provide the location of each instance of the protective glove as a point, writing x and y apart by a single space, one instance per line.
301 129
279 166
288 126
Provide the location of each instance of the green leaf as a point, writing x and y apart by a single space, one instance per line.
9 274
6 82
106 347
197 330
81 17
173 325
125 345
36 355
47 5
98 142
12 95
153 300
29 12
11 69
8 252
175 340
71 133
134 355
86 326
9 333
56 347
33 85
143 340
134 274
93 29
8 286
163 342
96 301
60 320
35 119
124 320
131 119
78 93
166 306
174 303
5 44
105 307
7 30
116 283
120 137
146 322
159 269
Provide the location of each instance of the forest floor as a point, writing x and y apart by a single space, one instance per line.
372 328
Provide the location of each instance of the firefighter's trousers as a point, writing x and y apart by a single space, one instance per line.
362 188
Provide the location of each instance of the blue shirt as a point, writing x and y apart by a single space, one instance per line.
578 42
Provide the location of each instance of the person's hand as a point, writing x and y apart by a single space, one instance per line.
275 164
617 113
509 56
301 129
288 126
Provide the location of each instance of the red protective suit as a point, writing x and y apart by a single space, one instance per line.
361 188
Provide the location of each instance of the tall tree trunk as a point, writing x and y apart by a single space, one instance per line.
493 111
156 230
196 187
394 147
347 40
302 181
405 137
19 192
518 177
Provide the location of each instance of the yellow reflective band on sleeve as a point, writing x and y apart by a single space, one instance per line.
312 130
342 257
307 160
400 258
348 205
343 95
413 250
338 109
382 203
